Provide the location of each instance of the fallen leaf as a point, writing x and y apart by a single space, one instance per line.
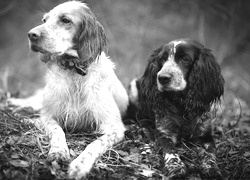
12 140
15 156
132 158
147 172
19 163
247 154
122 153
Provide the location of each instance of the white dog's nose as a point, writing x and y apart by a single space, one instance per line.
34 34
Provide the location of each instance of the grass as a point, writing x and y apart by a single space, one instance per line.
24 148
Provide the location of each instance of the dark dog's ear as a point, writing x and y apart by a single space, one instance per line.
147 86
206 84
154 65
91 39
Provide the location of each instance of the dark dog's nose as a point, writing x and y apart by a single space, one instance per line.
164 79
34 35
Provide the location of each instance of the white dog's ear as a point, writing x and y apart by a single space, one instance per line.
91 39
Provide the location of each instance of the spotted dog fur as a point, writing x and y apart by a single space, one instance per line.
181 82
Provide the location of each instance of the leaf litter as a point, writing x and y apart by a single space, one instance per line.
24 149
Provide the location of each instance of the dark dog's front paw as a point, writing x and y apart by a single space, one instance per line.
209 166
173 165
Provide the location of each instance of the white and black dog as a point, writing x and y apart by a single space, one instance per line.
181 82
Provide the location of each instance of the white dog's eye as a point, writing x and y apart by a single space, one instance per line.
44 20
65 20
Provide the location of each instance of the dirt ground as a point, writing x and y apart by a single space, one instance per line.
24 148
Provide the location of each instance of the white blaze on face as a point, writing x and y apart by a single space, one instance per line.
176 43
171 69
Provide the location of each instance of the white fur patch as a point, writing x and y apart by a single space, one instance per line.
168 157
176 43
133 91
34 101
177 81
171 68
79 102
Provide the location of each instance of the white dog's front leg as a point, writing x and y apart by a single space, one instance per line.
82 165
59 153
106 112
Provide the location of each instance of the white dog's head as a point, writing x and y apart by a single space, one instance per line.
70 28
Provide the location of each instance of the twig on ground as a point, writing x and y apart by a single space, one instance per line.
12 117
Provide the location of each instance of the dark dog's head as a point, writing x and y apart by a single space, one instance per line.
70 28
185 67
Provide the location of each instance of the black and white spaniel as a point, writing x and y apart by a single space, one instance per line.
181 82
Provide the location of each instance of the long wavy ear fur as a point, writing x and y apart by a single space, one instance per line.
149 78
148 83
91 39
206 84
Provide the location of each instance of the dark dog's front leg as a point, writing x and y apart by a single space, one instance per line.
166 140
207 152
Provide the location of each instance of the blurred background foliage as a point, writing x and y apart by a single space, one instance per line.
134 29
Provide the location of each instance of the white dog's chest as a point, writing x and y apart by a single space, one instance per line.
84 102
71 101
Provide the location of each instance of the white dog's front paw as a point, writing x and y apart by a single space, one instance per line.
58 161
79 168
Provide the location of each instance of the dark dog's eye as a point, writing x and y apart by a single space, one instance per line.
44 20
65 20
185 59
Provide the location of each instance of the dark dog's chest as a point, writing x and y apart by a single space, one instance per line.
185 128
171 115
